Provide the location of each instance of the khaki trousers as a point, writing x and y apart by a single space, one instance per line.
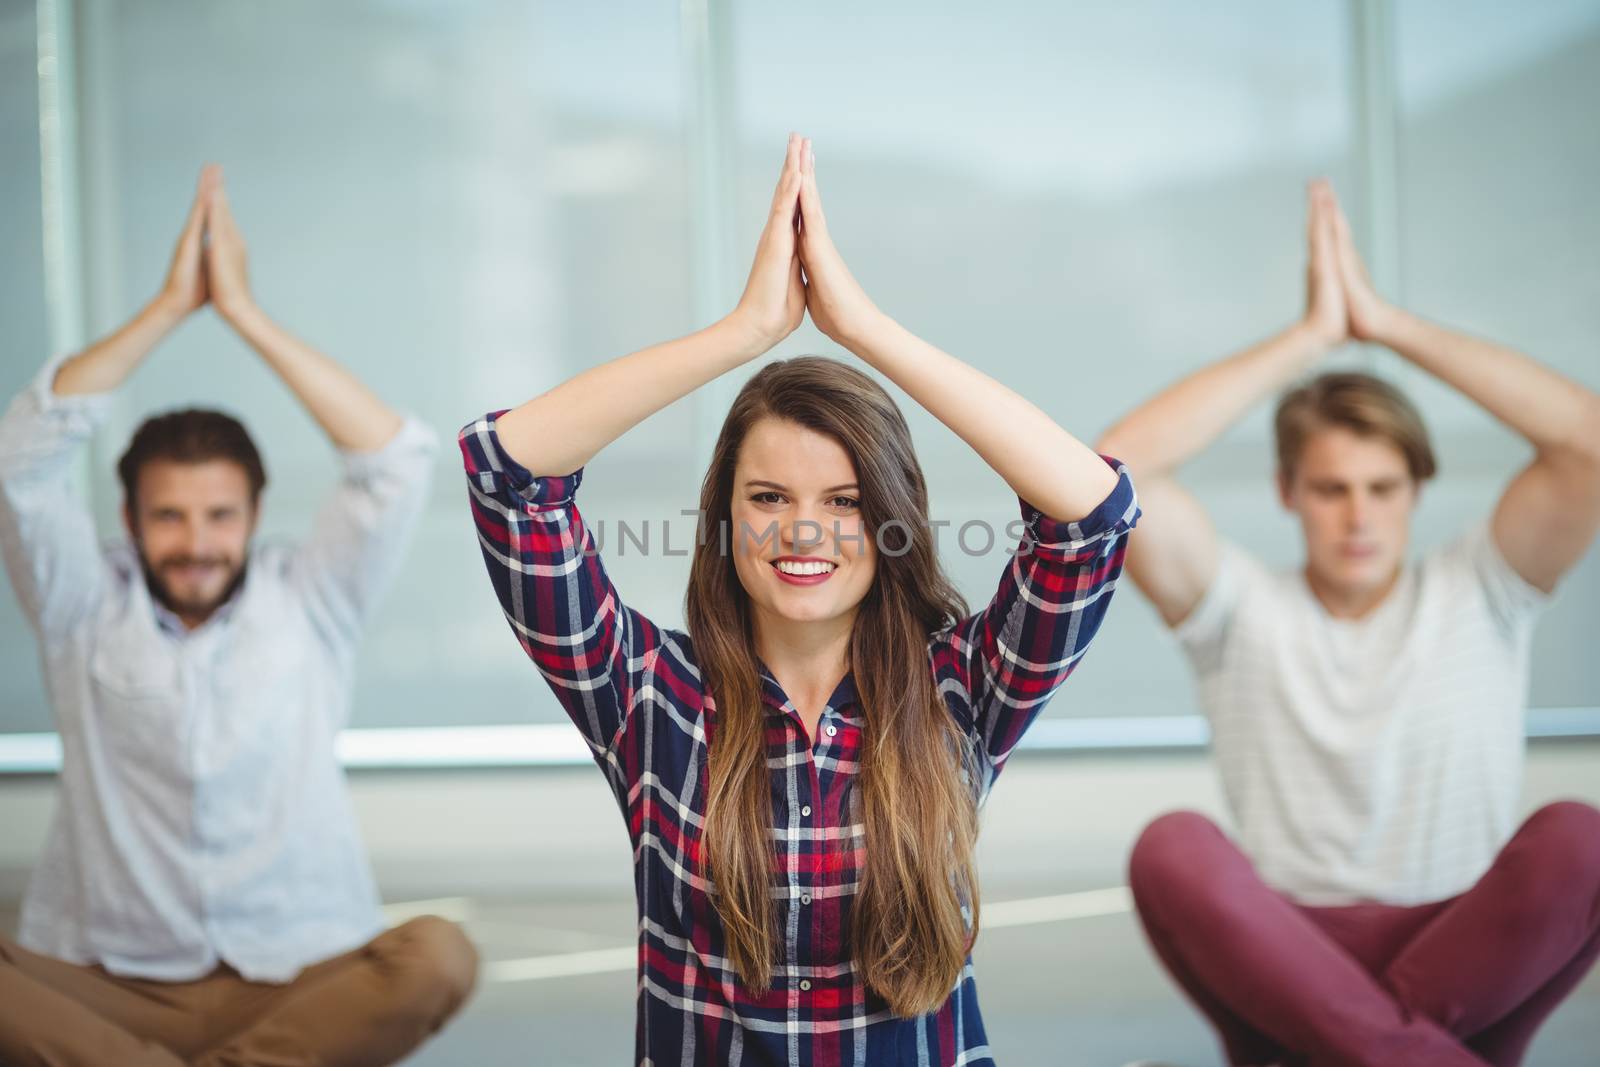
368 1007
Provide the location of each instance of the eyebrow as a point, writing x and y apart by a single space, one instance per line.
776 485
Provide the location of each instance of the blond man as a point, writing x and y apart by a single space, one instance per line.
1381 905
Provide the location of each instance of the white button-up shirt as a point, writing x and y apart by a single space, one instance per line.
202 815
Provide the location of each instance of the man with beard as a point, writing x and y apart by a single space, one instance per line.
203 897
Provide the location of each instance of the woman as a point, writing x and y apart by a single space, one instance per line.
801 771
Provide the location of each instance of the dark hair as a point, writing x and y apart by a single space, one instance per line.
917 771
1364 405
192 435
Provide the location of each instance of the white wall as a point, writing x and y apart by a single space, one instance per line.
469 202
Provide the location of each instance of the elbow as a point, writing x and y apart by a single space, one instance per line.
1111 443
1582 445
1121 447
1589 431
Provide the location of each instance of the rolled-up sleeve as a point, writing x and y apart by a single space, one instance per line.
1008 659
361 533
593 651
47 532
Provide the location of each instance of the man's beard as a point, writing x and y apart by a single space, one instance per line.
190 609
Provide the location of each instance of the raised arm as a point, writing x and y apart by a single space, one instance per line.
1043 463
524 468
47 533
1548 515
1011 655
361 532
351 414
559 431
106 364
1173 557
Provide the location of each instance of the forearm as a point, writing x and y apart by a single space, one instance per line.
559 431
350 414
1160 435
1553 412
1040 461
106 364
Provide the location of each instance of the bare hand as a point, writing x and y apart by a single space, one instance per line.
226 260
774 300
1326 314
1369 313
837 304
186 287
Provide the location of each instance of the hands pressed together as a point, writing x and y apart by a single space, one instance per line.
210 263
797 269
1341 303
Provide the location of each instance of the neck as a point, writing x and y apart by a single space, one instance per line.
1346 602
805 655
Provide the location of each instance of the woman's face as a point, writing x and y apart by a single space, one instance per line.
799 543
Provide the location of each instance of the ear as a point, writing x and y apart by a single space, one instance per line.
1281 477
128 522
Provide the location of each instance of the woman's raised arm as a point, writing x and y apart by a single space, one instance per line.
559 431
1043 463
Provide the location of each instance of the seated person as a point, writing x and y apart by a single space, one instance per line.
1381 905
203 896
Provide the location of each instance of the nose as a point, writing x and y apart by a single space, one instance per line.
193 538
805 532
1357 510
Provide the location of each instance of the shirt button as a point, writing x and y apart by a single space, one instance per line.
831 730
805 984
806 810
805 898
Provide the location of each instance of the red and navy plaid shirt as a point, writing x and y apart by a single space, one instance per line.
635 691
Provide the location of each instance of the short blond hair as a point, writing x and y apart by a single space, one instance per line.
1365 405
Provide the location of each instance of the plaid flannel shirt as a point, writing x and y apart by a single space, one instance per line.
634 690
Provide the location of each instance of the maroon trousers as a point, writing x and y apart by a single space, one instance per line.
1464 981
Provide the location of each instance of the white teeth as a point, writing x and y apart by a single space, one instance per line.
791 567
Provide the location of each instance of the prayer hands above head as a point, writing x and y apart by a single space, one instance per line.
774 300
186 287
837 303
1369 313
1326 316
227 267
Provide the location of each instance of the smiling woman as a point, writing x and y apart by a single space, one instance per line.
801 770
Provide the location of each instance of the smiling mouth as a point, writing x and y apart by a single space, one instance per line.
796 573
191 571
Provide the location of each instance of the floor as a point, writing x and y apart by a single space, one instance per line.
536 866
1055 991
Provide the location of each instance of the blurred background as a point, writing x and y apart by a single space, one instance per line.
467 202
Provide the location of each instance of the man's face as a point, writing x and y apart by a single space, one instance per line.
191 523
1354 496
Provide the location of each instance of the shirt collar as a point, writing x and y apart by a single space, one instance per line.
773 695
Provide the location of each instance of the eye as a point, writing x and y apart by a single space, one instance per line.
849 501
760 497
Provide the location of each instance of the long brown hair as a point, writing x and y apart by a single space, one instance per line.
918 782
